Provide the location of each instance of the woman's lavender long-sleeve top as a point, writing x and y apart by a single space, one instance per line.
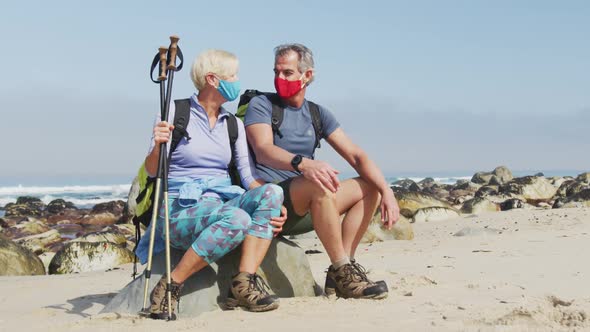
208 151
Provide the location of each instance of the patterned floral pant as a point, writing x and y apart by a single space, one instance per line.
213 227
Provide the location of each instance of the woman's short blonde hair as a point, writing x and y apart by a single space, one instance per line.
222 63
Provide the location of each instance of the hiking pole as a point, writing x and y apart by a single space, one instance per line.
173 49
161 58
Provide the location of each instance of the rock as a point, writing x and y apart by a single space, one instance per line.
410 202
113 207
69 231
23 210
59 205
539 174
581 199
426 182
584 177
26 227
16 260
512 203
401 230
40 243
77 257
503 174
468 186
479 205
533 189
407 184
434 214
570 188
131 204
487 191
285 268
110 237
557 181
481 177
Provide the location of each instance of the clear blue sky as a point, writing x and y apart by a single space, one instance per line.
423 86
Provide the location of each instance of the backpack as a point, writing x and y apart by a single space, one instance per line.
278 112
145 197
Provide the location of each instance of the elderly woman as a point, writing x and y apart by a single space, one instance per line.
208 216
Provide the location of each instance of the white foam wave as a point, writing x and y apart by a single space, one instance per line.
19 190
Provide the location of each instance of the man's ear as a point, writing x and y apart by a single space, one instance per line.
308 75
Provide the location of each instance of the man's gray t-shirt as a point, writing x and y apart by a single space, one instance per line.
296 128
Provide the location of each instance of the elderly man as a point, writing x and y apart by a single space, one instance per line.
314 196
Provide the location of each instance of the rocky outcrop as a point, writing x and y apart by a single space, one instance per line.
478 205
434 214
16 260
532 189
59 206
401 230
285 268
25 206
40 243
77 257
410 202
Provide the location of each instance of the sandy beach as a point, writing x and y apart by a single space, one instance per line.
519 270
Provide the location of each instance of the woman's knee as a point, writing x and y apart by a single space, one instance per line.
273 194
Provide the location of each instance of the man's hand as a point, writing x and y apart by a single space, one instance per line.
278 222
321 173
389 208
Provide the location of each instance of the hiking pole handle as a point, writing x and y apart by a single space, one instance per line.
162 50
173 49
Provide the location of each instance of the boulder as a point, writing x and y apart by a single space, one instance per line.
131 204
77 257
434 214
426 182
532 189
503 174
401 230
105 236
407 184
512 203
26 227
32 209
410 202
285 268
40 243
481 177
487 190
478 205
570 188
16 260
584 177
58 206
468 186
581 199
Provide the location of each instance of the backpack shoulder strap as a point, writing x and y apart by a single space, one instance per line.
316 120
181 117
278 112
232 131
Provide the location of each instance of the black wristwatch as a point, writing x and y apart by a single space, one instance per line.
296 161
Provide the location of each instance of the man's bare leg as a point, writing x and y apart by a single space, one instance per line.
308 196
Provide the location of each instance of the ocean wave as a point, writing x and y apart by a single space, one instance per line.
443 180
36 191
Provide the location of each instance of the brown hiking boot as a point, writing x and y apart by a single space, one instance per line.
250 292
349 281
159 300
361 269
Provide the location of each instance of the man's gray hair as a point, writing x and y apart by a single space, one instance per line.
305 56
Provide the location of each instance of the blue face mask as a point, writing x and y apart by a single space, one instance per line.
229 90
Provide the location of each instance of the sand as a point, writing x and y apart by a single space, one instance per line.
520 270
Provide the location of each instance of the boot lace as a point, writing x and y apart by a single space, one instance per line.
257 283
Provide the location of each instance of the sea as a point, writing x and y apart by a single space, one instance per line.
87 191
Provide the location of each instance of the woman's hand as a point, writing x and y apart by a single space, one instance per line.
162 132
278 222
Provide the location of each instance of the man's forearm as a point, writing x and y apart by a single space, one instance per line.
369 171
275 157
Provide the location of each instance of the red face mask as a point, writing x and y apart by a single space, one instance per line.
287 89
